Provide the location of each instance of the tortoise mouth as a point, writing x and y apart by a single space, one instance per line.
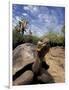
18 73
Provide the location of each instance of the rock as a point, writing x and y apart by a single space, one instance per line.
23 55
25 78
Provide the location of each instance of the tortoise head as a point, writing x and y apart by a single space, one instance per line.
43 47
42 43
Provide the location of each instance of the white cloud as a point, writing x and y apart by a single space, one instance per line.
26 8
43 17
15 21
24 14
17 18
49 20
32 9
39 31
35 28
59 27
35 9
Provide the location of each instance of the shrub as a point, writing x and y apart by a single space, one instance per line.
19 39
55 39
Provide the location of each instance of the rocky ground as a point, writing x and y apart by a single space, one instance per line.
55 58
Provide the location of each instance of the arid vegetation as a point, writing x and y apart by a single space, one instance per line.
55 39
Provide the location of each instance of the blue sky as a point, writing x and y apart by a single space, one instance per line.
41 18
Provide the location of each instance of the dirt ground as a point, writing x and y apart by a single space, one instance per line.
55 58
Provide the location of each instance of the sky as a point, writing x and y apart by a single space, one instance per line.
41 18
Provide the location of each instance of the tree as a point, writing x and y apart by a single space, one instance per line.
21 27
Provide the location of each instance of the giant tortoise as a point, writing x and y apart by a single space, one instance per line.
27 63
